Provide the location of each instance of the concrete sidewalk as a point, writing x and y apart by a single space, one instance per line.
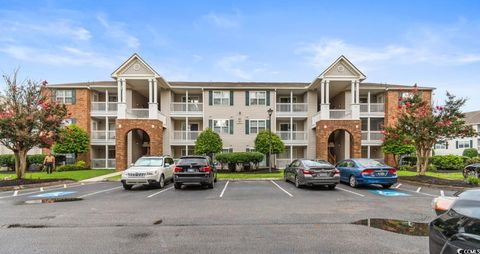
102 177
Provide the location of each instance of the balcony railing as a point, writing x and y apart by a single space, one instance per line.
293 136
372 136
137 113
99 135
103 163
183 107
292 107
185 136
372 108
340 114
104 107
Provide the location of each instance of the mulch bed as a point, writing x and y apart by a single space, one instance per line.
15 184
433 181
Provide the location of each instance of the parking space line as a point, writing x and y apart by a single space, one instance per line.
156 193
98 192
224 188
426 194
442 193
418 189
55 187
342 189
288 193
398 186
15 193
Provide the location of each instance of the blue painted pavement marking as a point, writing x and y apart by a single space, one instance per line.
53 194
389 193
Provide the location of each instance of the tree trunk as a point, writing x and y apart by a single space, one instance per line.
20 163
395 159
419 157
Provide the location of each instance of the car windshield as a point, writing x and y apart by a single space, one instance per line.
370 163
190 161
314 164
149 162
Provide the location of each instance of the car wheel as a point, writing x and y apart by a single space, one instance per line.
471 173
353 181
386 186
297 182
127 186
211 185
331 187
177 185
161 182
285 177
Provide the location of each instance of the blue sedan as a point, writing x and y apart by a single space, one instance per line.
358 172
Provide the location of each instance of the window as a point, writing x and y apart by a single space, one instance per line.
258 98
463 144
64 96
221 126
227 150
221 98
440 146
257 125
68 121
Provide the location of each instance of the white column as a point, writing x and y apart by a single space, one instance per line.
368 129
327 93
291 100
324 106
368 102
106 100
119 90
291 153
368 152
150 91
106 156
352 89
187 129
124 90
186 100
122 99
358 92
155 91
322 92
291 128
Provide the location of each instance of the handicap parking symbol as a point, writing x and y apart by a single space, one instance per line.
389 193
53 194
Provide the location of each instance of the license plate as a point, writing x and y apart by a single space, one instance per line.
322 174
381 174
191 170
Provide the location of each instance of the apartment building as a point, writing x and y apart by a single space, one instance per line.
456 146
338 115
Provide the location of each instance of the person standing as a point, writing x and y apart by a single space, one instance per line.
49 162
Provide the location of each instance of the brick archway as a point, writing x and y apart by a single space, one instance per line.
153 128
324 128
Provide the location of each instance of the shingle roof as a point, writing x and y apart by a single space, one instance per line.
472 117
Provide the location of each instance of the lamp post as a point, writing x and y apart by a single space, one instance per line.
270 111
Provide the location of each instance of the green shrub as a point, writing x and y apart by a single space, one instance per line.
473 180
233 159
448 161
81 164
409 160
35 159
432 168
7 160
473 160
470 152
404 168
69 167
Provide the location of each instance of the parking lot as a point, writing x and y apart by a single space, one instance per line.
234 217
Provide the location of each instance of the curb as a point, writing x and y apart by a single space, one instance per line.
36 185
252 179
437 186
102 177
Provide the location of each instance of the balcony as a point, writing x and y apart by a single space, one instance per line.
340 114
138 113
98 163
293 137
372 109
183 108
103 137
292 109
372 137
184 137
102 108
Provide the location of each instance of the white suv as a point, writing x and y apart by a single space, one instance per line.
149 170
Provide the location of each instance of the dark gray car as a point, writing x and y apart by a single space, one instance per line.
197 170
303 172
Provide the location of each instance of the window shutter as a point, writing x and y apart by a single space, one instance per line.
456 144
231 97
74 96
268 124
446 145
247 98
268 98
247 127
471 143
230 124
210 97
210 124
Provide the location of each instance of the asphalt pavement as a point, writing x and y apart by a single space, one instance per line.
234 217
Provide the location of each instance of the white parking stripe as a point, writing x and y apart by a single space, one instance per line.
224 188
398 186
156 193
342 189
426 194
442 193
98 192
41 188
281 188
418 189
50 188
15 193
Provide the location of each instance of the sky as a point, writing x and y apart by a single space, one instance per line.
430 43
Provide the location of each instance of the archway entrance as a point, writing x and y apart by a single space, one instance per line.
138 145
340 146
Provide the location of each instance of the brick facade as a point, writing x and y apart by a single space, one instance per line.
154 129
326 127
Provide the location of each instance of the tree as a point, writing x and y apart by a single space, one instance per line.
396 144
262 143
27 119
208 142
72 139
423 125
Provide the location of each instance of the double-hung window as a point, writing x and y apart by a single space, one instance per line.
221 126
440 146
64 96
257 125
258 98
463 144
221 98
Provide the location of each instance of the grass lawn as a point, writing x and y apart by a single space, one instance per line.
249 175
114 178
448 176
73 175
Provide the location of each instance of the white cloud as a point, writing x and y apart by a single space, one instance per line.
232 64
223 20
51 28
116 30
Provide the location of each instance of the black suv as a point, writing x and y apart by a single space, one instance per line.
197 170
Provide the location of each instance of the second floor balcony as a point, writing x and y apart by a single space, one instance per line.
292 109
372 137
293 137
102 108
186 108
102 136
184 137
372 108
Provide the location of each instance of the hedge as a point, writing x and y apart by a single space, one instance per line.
448 161
473 160
80 165
236 158
470 152
8 160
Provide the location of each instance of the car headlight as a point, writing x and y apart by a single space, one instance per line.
151 173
